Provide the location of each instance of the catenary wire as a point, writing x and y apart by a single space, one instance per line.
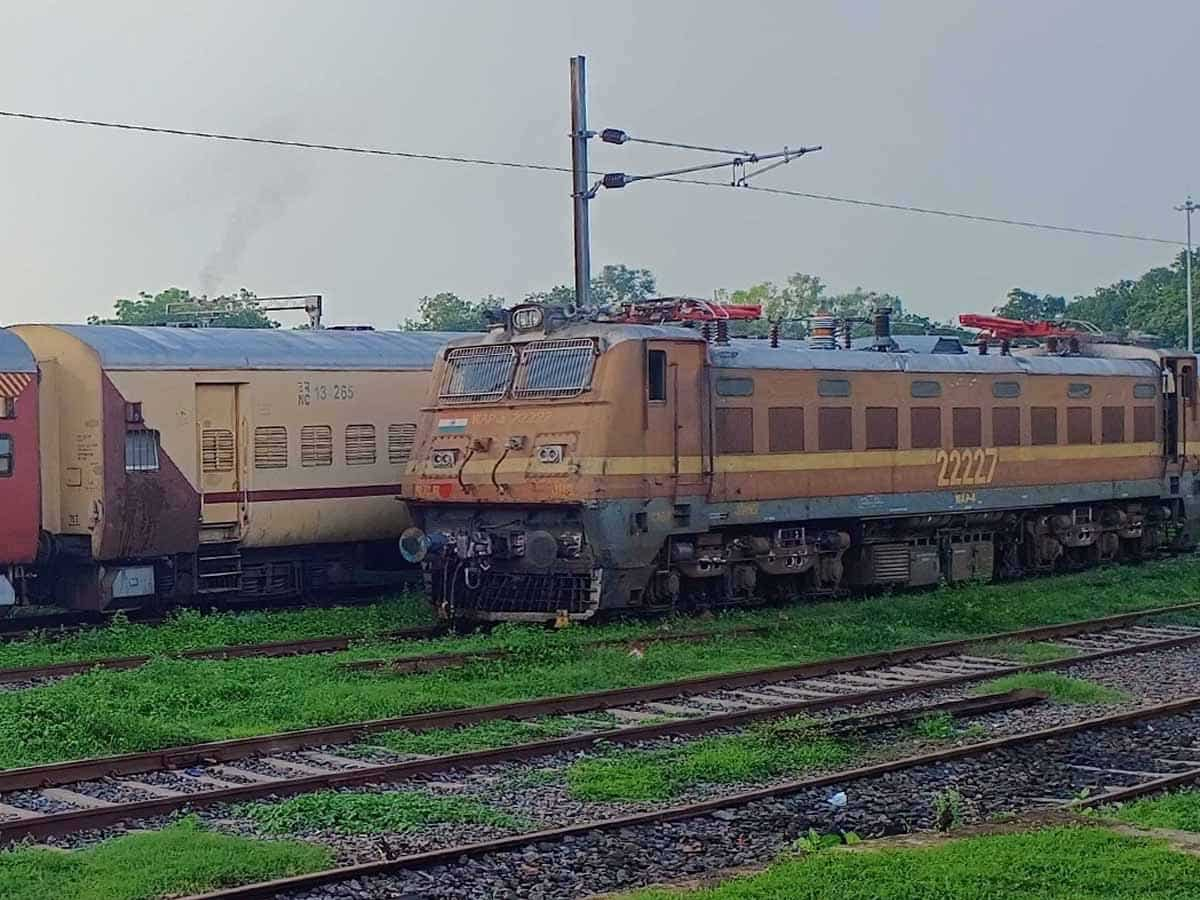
543 167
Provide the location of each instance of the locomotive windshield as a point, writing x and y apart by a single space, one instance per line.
540 370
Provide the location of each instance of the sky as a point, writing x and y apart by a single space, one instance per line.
1059 111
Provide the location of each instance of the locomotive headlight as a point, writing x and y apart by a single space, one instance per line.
527 318
444 459
551 454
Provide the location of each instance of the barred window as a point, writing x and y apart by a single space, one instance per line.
360 445
400 442
6 455
316 445
478 374
551 369
216 450
141 450
270 447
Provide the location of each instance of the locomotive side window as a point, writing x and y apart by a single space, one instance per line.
925 390
735 387
1079 424
1144 427
1145 391
316 445
1006 426
360 445
833 387
401 439
8 408
1112 425
926 427
786 427
6 455
883 433
270 447
1080 390
1043 425
834 431
1006 390
735 430
656 374
967 426
141 450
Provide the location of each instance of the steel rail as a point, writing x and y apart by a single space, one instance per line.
276 887
70 821
66 772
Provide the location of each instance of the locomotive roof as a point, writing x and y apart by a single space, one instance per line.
756 354
14 355
133 347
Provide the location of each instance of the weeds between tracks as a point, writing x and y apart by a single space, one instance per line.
171 702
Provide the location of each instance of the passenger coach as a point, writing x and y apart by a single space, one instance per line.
576 464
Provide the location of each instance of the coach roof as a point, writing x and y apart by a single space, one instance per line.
14 355
132 347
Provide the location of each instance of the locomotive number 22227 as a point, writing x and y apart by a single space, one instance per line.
966 466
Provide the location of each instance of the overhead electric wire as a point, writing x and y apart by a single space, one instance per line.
543 167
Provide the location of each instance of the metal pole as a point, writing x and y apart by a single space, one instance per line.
579 178
1191 333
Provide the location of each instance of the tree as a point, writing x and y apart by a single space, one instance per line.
621 284
449 312
177 305
1022 304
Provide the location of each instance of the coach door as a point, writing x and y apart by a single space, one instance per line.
1179 397
217 429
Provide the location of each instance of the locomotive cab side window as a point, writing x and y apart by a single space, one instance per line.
656 374
6 455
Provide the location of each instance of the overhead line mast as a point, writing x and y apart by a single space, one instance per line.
582 194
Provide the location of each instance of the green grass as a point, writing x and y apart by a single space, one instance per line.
190 629
174 701
1180 810
183 858
762 752
1027 652
1060 688
1053 864
345 812
487 735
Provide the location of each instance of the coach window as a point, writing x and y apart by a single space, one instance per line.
360 445
1112 425
316 445
1043 425
1144 424
656 374
1006 426
833 387
786 427
926 390
967 427
401 439
882 430
8 408
834 431
141 450
270 447
735 430
926 427
1079 425
1079 390
6 455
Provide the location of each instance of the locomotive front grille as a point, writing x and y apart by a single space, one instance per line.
543 593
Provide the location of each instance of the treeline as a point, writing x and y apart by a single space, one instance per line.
1153 305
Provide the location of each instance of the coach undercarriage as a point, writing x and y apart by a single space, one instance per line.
543 565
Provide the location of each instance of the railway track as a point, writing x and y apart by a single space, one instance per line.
93 793
1044 743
